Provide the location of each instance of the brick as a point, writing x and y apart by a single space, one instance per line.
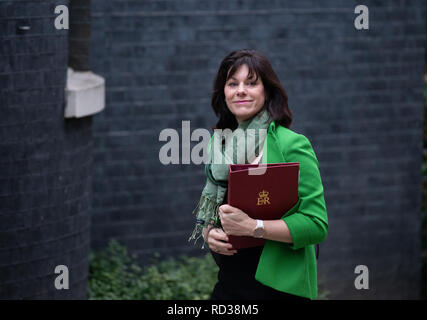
43 172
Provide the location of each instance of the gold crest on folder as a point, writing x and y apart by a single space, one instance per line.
263 198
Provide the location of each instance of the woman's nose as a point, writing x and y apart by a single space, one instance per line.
241 89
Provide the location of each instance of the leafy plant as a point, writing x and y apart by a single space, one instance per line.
115 275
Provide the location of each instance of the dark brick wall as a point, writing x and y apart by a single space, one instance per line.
357 95
79 36
45 160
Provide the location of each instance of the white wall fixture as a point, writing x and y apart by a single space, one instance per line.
84 93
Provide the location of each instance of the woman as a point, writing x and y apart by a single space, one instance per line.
248 95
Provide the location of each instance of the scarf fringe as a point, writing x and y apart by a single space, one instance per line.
205 205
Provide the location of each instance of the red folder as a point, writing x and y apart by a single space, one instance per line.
267 192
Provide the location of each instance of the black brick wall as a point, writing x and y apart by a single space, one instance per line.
79 36
357 95
45 160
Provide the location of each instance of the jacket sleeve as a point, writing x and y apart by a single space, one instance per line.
309 224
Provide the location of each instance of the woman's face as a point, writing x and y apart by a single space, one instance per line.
244 96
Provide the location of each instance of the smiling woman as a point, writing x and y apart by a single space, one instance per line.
244 94
248 75
248 96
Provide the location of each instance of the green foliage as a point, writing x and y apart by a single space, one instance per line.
114 275
185 278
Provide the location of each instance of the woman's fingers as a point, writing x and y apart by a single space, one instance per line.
226 208
219 234
218 242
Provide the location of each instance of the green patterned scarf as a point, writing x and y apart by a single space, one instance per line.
239 147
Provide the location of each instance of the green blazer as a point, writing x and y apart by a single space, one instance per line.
291 267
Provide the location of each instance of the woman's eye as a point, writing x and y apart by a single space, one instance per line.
232 84
252 83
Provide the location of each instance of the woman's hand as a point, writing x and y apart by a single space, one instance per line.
218 242
236 222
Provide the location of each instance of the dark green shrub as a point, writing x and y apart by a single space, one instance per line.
114 275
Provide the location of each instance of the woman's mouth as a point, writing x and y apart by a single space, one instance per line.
242 101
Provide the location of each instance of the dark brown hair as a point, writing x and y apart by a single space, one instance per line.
276 100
